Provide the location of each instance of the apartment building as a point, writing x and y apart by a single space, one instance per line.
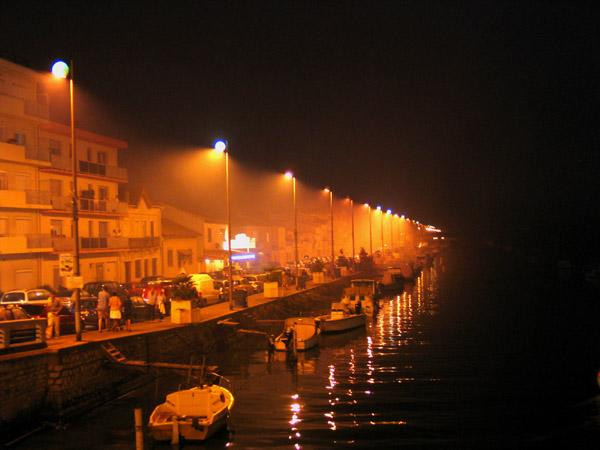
118 241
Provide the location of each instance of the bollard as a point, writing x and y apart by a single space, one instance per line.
139 431
175 431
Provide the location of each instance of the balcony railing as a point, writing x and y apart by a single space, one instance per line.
143 242
61 243
87 167
37 197
90 205
39 241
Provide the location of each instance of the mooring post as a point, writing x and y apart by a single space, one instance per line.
175 431
139 431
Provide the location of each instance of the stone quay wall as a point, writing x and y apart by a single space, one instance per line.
53 385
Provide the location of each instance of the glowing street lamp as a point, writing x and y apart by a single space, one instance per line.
370 229
381 226
330 192
222 147
290 176
60 69
352 220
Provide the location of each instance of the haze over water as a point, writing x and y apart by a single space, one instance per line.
481 352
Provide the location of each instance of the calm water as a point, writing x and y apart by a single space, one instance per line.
479 352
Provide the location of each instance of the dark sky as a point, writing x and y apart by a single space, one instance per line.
472 116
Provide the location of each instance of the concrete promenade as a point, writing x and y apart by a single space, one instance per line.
210 312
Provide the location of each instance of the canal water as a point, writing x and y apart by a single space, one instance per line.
480 352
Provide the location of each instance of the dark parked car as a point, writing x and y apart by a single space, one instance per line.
89 314
38 311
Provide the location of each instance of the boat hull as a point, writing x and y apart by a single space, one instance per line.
190 427
306 335
329 324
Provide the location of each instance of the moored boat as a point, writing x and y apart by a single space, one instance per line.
340 320
196 413
364 292
299 333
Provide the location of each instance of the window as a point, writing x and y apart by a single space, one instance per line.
102 193
56 188
154 266
103 229
209 235
89 154
101 157
4 227
151 229
56 228
3 180
54 147
20 138
127 270
146 268
138 268
170 258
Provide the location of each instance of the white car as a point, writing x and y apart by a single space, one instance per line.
34 296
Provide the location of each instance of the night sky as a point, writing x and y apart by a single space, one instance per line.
477 116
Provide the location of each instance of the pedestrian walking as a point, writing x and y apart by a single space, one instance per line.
127 312
115 305
102 308
152 302
160 304
53 308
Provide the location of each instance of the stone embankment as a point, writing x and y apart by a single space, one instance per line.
54 384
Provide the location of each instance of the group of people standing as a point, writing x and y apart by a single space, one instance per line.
113 311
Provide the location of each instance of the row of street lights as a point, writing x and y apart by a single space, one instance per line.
60 69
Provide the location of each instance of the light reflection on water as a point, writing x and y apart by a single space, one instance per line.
397 382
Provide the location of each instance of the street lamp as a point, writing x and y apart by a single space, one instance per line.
352 220
330 192
223 147
389 214
381 226
60 69
370 230
290 176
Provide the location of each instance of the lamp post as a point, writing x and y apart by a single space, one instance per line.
389 214
60 69
330 192
381 226
290 176
370 230
352 220
223 147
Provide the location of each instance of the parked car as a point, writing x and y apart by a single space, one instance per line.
40 311
205 286
89 313
93 287
255 281
39 296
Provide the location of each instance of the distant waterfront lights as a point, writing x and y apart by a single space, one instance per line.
288 175
378 208
389 211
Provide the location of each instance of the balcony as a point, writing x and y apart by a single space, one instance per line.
62 243
89 168
143 242
26 243
12 151
89 205
26 199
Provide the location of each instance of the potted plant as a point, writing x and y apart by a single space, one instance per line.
316 268
271 285
185 305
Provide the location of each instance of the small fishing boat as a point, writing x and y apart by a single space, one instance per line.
339 319
194 414
365 292
299 334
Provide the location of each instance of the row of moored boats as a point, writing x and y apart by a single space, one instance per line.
199 412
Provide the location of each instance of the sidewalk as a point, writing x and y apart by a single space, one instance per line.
209 312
